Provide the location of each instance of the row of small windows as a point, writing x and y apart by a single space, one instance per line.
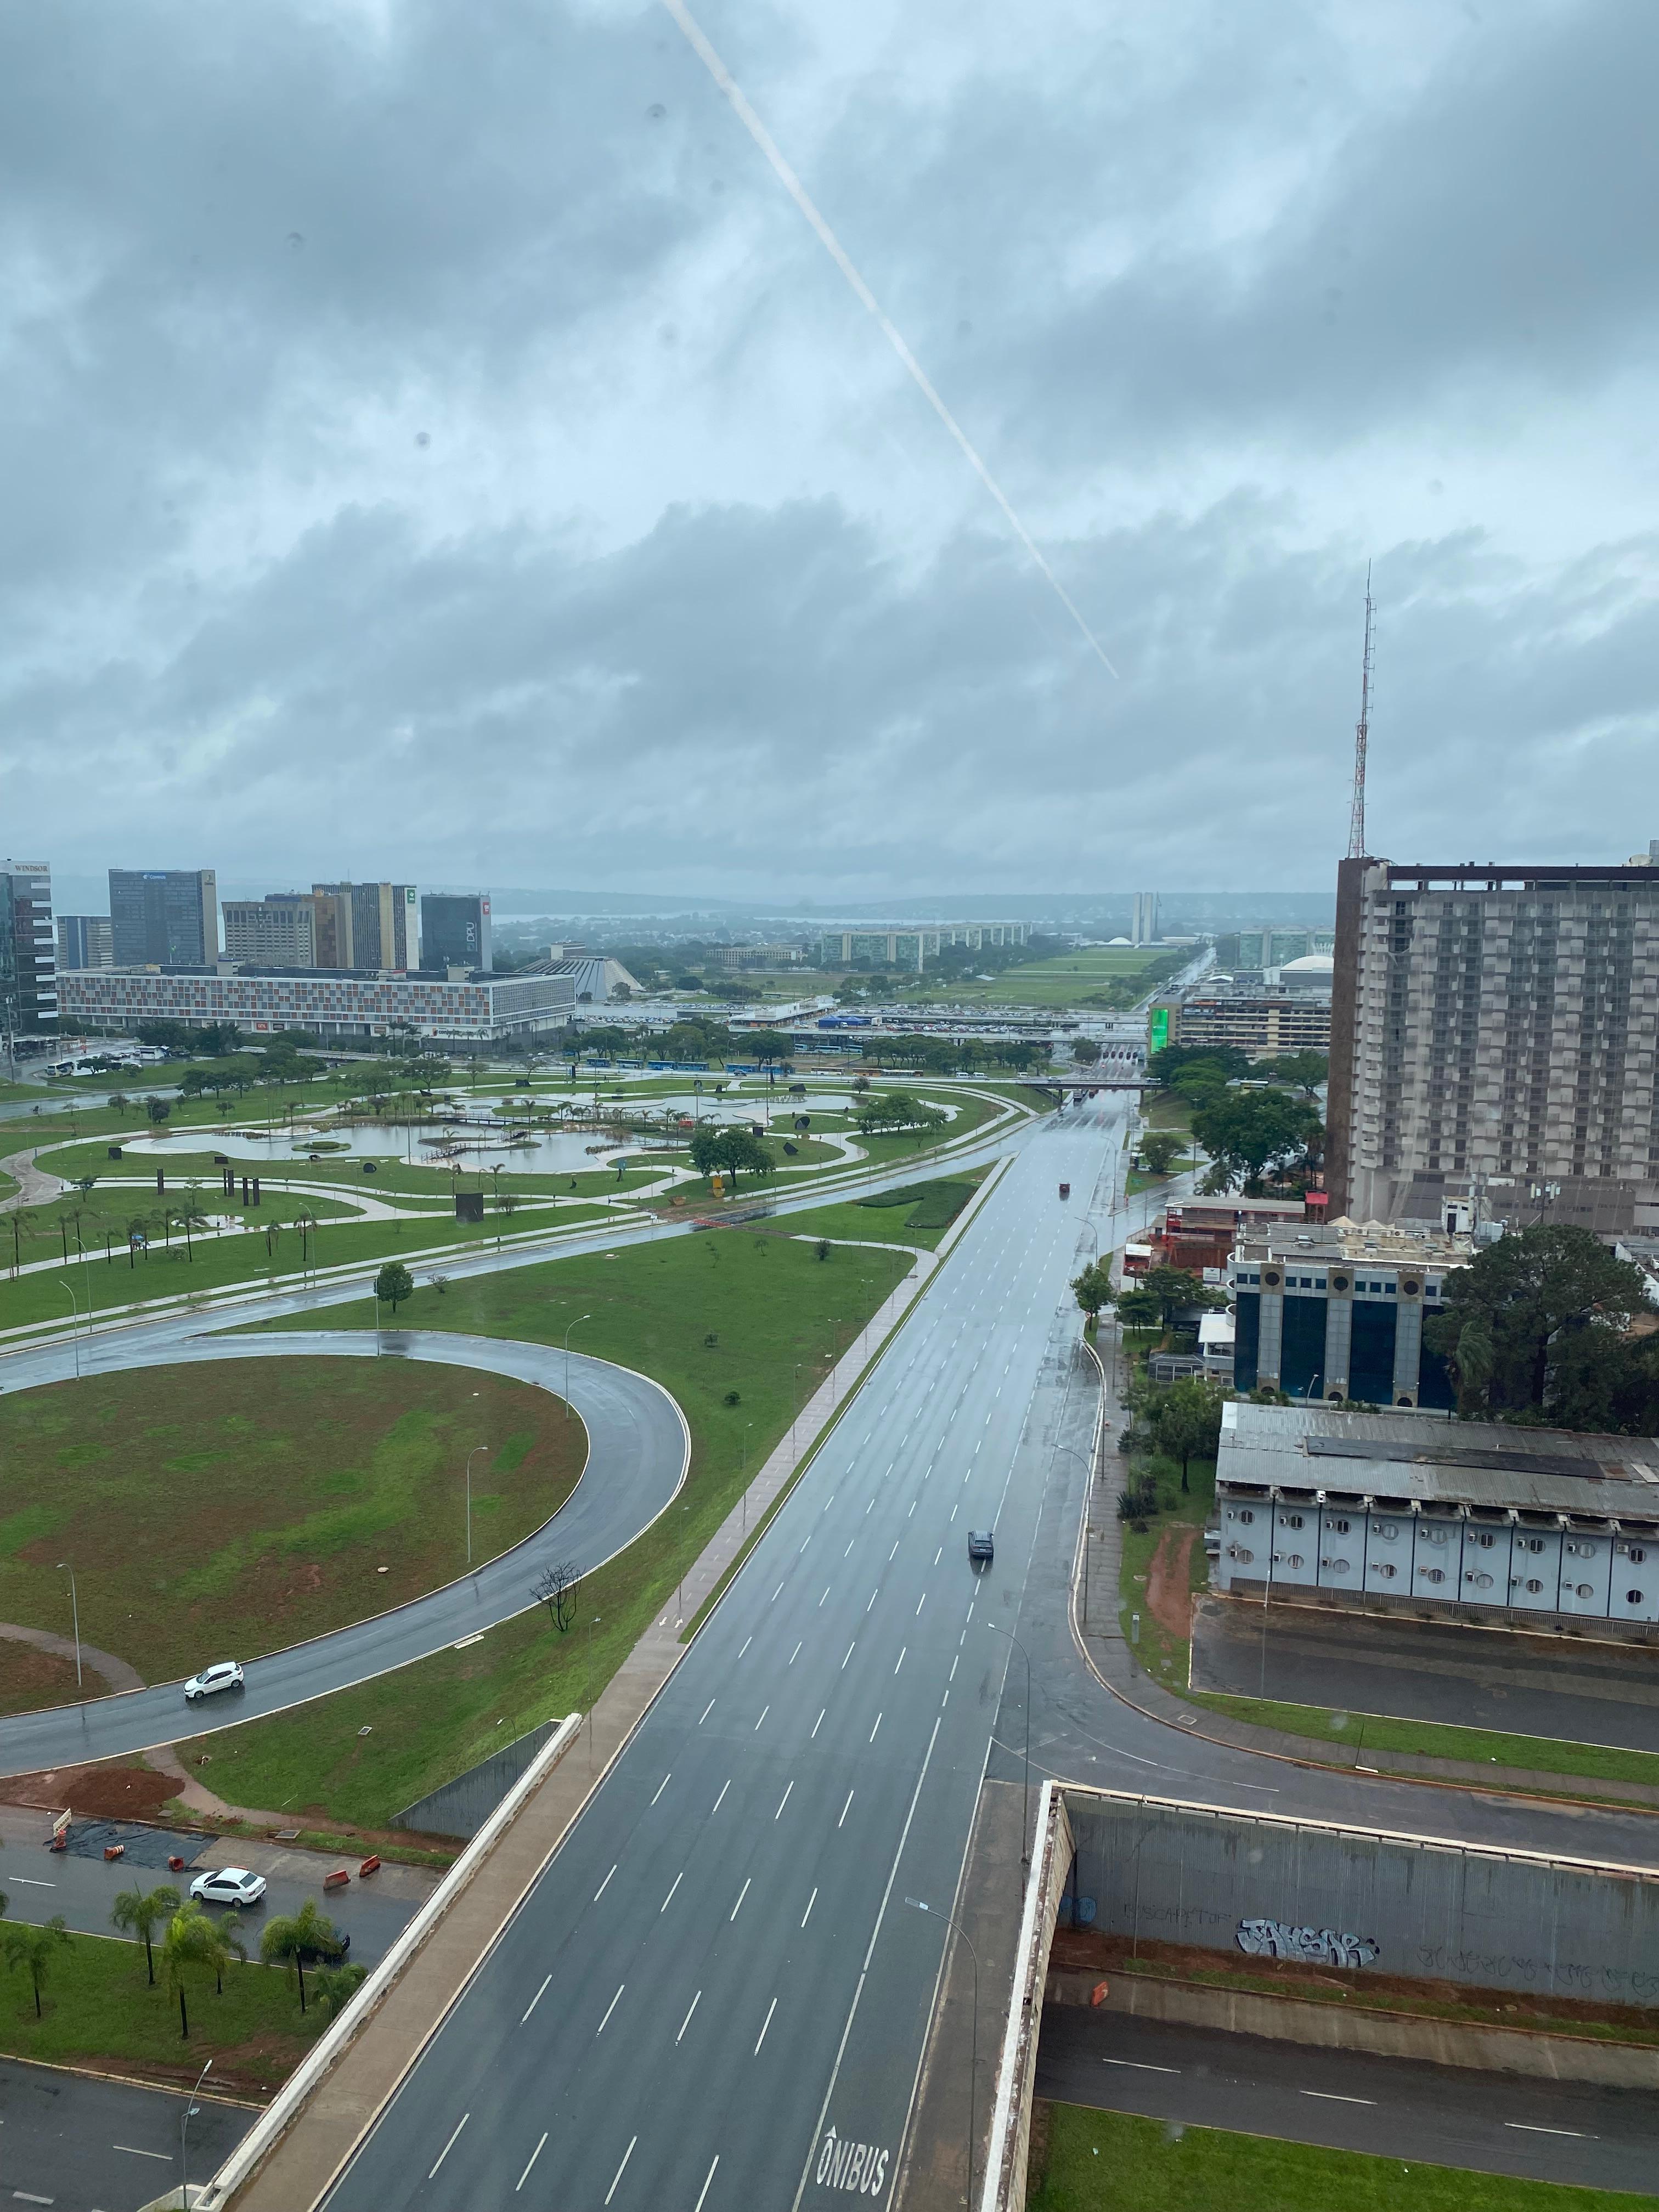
1439 1533
1245 1278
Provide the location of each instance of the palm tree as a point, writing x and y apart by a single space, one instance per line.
191 1942
338 1985
292 1938
222 1943
140 1911
189 1215
33 1949
21 1219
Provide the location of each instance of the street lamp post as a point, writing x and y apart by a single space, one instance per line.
973 2071
577 1323
76 1330
64 1568
1025 1801
470 1456
190 2111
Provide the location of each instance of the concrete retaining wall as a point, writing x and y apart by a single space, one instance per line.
1386 2034
1239 1883
461 1808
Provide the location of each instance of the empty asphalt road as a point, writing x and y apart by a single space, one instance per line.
718 1983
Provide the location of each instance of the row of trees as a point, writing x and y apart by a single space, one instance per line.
1267 1128
193 1944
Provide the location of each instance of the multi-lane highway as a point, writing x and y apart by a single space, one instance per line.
717 1994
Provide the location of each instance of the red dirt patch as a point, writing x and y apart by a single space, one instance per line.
35 1678
1169 1593
104 1793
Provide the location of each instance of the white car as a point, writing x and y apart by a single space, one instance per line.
228 1886
223 1674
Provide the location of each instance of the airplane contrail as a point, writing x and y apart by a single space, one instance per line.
832 245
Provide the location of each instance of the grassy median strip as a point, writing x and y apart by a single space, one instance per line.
1351 1736
741 1329
1115 2163
98 2008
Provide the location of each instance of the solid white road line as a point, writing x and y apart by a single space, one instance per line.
810 1902
1332 2097
747 1641
1528 2128
690 2009
721 1800
773 1598
32 1881
534 2002
874 1594
921 1601
534 2155
826 1593
703 2191
844 1808
851 1649
873 1732
899 1662
450 2145
764 1710
761 2039
704 1714
627 2154
817 1724
605 1885
795 1654
663 1784
609 2009
782 1801
1139 2066
738 1907
133 2151
672 1887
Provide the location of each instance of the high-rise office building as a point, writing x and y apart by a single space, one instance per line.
85 941
164 917
1493 1038
1143 928
364 925
455 930
278 931
29 949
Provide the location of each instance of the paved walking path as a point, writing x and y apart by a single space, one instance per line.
34 1186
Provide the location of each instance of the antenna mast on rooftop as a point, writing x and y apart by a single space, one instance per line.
1361 734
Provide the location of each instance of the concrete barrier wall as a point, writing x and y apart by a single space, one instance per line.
1003 2186
461 1808
1345 2027
1348 1897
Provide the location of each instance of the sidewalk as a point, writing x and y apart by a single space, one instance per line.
304 2164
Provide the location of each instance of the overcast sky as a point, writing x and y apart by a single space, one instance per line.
433 445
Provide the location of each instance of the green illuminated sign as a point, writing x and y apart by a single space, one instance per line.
1159 1029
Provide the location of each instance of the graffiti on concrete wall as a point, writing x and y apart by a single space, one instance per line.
1314 1947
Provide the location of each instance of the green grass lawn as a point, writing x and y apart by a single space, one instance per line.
100 2010
170 1272
1351 1736
1160 1651
229 1510
923 1216
778 1315
1061 982
1115 2163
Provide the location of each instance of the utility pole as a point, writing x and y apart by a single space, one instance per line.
1361 736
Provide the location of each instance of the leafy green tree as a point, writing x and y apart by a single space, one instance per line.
1085 1051
1545 1302
33 1950
119 1101
394 1284
1139 1308
1175 1291
157 1109
1186 1423
1303 1071
731 1151
296 1940
1225 1060
1092 1289
1247 1132
140 1913
1160 1149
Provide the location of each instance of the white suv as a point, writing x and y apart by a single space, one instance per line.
223 1674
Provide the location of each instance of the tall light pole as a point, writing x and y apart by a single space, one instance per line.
75 1329
470 1456
1024 1854
974 2069
64 1568
577 1323
190 2110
